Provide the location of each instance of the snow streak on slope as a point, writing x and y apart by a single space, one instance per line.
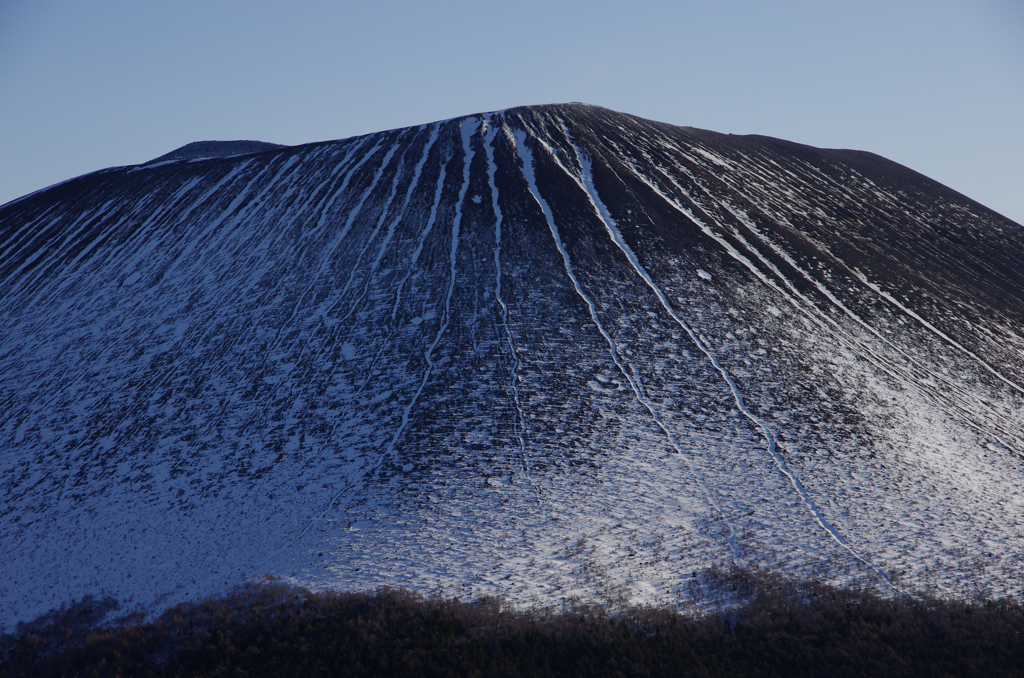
527 157
807 307
888 297
468 127
551 353
587 184
356 212
913 385
519 425
423 234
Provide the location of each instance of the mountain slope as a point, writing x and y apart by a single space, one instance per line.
549 352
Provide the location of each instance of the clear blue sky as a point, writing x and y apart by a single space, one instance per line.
937 85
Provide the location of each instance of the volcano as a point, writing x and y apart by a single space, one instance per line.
551 353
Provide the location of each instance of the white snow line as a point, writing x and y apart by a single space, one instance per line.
47 255
896 371
433 215
384 213
398 217
892 300
287 179
417 171
469 126
328 253
213 191
357 209
737 396
51 264
526 155
326 258
226 212
147 204
250 206
141 254
425 231
389 453
327 202
373 363
28 229
141 234
401 214
69 269
519 426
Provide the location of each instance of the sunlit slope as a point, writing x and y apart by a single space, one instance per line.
550 352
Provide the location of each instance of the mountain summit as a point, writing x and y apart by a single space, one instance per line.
203 150
548 353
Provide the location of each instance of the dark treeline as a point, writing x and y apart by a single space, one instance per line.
775 628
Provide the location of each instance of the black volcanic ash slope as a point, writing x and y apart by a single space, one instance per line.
551 352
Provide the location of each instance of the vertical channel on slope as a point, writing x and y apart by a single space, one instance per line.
468 128
389 234
526 155
49 256
850 195
424 232
821 319
935 330
240 197
328 256
192 242
431 221
391 229
327 202
143 231
26 234
399 215
519 426
359 208
587 184
326 259
385 213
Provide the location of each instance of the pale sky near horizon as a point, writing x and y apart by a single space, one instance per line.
936 85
